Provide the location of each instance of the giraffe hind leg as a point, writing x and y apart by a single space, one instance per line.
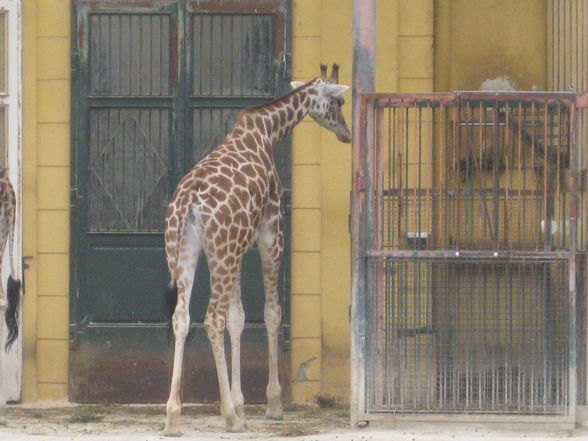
3 312
181 289
222 287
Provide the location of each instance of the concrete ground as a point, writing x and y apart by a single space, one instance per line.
63 422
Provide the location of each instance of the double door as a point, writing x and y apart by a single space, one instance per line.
156 86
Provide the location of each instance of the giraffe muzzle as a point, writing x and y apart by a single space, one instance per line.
344 135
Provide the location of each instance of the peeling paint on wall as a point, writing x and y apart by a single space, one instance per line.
303 369
502 83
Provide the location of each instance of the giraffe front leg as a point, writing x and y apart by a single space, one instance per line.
272 315
270 248
235 325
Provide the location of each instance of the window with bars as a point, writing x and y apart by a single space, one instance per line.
8 79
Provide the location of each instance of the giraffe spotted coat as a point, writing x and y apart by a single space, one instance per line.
227 203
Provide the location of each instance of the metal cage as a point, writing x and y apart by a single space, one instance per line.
469 246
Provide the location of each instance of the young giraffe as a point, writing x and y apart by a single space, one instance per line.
9 301
228 202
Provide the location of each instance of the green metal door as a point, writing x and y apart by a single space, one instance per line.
156 86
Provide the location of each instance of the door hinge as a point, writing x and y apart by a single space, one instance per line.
286 339
76 332
75 197
73 337
286 201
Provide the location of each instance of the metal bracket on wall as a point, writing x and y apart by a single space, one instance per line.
25 265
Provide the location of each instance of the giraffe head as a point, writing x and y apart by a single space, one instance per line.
326 108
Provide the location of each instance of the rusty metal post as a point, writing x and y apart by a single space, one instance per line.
364 43
573 382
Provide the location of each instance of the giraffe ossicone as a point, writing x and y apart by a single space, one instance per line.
228 202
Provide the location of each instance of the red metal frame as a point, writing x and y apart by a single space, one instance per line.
366 216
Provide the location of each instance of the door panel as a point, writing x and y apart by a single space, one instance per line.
157 85
129 169
130 54
232 55
118 289
209 127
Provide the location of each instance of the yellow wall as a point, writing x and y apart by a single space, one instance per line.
46 117
567 48
321 177
422 45
480 39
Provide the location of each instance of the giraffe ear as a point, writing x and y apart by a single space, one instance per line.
334 89
296 84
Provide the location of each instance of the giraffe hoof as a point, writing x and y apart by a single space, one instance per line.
236 425
174 432
240 411
274 413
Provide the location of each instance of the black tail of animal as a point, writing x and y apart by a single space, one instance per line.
11 316
171 299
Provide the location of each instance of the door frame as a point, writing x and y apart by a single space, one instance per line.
181 133
13 132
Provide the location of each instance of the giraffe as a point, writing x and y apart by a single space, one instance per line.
9 300
226 203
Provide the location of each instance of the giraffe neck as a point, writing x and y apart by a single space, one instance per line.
275 120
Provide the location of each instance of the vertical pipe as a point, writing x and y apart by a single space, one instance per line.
495 177
548 212
572 127
363 30
521 176
508 180
377 242
389 241
550 43
456 159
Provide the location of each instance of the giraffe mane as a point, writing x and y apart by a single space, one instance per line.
277 100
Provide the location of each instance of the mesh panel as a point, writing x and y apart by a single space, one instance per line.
468 337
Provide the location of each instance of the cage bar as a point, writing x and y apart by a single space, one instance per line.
472 206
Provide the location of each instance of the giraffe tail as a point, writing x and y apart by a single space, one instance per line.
171 299
13 291
11 316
